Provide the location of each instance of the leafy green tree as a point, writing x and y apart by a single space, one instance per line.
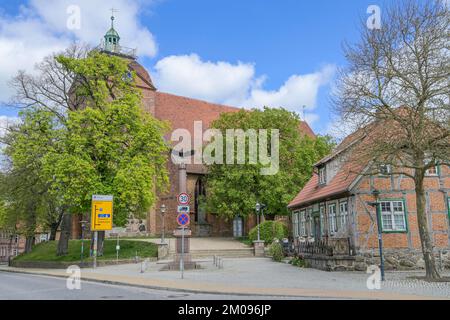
111 143
233 190
101 141
23 187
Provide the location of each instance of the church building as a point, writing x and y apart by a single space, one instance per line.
181 113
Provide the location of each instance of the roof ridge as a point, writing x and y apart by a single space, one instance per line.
200 100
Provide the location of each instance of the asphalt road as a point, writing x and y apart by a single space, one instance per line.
16 286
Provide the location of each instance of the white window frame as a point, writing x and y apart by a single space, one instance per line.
332 218
388 169
295 224
322 175
310 231
322 219
432 174
343 215
302 223
391 213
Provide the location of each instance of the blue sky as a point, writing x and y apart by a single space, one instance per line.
236 52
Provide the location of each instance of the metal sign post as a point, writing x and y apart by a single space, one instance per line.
95 248
182 254
183 220
117 248
101 218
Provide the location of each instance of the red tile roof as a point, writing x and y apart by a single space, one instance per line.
312 192
306 129
181 112
340 183
141 73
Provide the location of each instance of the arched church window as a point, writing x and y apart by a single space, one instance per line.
200 194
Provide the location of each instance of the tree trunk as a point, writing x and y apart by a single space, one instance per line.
422 220
30 228
53 230
29 244
55 225
63 243
101 242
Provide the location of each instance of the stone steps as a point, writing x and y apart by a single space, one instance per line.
224 253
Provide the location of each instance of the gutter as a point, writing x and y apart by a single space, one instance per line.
330 196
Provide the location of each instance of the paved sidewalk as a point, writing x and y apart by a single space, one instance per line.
262 277
205 243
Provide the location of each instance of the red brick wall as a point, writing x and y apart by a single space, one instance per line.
437 211
219 226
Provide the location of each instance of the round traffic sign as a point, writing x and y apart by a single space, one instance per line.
183 199
183 219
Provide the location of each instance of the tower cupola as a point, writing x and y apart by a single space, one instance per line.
112 39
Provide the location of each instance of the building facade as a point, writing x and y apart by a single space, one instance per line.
334 222
11 245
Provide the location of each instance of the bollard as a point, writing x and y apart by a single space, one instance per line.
219 262
144 265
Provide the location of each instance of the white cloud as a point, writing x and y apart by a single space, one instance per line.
40 28
95 21
296 92
311 118
237 84
220 81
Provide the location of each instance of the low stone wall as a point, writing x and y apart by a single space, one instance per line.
65 265
400 259
329 263
397 259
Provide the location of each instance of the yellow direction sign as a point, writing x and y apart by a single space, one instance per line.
102 213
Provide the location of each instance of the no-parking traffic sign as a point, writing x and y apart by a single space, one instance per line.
183 219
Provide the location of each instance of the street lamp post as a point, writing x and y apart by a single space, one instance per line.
83 224
376 205
163 213
259 208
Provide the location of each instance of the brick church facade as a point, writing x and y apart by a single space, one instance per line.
181 113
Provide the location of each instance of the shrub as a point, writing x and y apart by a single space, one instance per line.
298 262
269 230
276 251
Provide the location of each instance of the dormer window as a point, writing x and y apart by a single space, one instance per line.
432 172
385 169
322 175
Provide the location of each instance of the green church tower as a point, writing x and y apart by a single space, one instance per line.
111 43
112 39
